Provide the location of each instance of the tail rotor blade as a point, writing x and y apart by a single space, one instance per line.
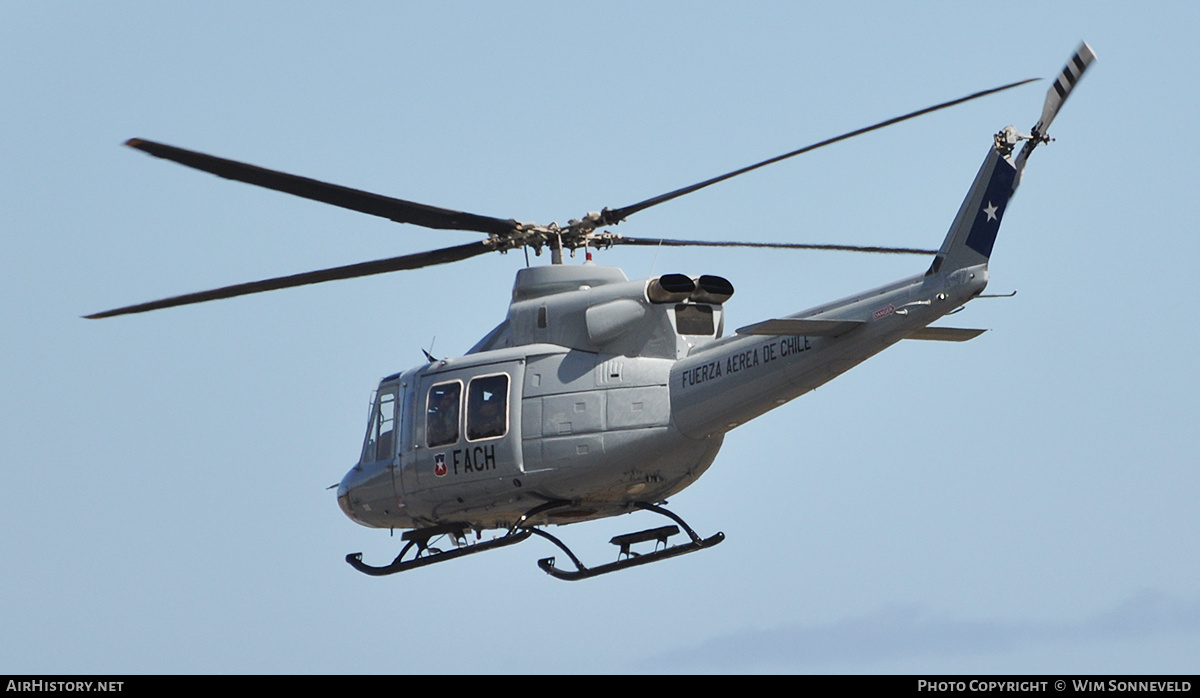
1066 81
1061 89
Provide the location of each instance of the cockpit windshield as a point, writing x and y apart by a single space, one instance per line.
381 430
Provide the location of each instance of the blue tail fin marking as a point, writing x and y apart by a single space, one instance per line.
991 209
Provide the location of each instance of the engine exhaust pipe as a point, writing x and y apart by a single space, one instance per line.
712 289
670 288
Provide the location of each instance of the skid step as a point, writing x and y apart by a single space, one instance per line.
659 535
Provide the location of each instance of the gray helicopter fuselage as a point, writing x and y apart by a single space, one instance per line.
604 392
597 395
580 372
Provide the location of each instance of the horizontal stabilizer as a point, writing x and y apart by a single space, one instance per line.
946 334
801 326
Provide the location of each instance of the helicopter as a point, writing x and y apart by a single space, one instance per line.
598 395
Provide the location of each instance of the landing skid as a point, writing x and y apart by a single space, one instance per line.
426 555
626 558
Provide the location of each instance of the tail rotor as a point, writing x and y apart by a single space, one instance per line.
1067 79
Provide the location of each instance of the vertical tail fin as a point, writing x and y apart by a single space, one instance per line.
973 233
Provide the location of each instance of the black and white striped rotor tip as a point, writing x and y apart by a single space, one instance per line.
1063 84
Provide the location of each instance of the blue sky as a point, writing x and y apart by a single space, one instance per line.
1024 502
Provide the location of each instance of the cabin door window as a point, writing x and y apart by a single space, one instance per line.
441 414
487 407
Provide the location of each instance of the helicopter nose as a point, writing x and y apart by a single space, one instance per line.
368 497
343 496
347 496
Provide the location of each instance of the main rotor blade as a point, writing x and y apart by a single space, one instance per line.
374 204
614 216
351 271
647 242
